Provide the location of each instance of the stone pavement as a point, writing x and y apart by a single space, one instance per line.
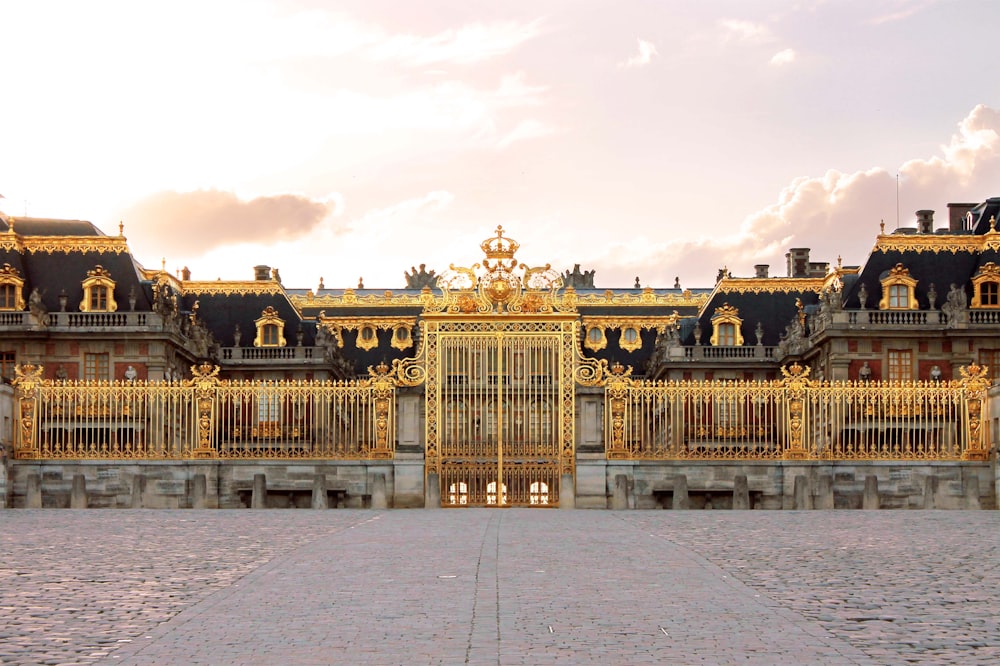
499 587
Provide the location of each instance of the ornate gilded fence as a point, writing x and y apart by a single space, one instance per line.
204 417
796 418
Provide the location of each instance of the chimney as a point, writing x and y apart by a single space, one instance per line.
798 262
956 216
925 221
262 272
185 273
760 270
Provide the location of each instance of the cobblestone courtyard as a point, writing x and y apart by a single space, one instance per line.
499 587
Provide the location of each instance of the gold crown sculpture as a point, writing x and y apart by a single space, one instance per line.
501 247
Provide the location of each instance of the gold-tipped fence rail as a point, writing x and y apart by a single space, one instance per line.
796 418
790 418
204 417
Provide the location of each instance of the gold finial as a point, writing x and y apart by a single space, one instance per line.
993 223
121 228
881 227
840 261
10 225
163 265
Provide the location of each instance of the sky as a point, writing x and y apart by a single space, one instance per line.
655 139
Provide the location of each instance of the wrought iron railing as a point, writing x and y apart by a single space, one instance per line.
204 417
796 417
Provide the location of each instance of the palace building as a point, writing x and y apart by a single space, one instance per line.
504 383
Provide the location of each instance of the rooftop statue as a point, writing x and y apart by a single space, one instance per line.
579 279
421 279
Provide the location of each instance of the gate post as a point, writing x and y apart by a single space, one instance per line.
205 380
27 379
616 388
975 381
383 394
795 382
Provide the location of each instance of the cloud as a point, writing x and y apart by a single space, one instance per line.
833 214
526 129
646 52
784 57
466 45
744 31
214 218
904 10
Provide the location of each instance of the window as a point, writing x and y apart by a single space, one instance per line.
367 337
11 288
726 327
270 329
538 492
986 287
95 367
595 339
900 365
991 359
630 340
7 361
401 338
727 335
458 493
899 297
491 493
898 290
98 292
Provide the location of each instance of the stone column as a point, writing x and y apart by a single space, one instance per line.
138 491
78 496
741 492
33 494
930 491
971 492
199 491
803 499
870 500
432 493
680 500
379 500
258 500
824 496
319 497
567 492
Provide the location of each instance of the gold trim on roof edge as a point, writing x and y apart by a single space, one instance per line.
229 288
567 298
658 323
953 243
65 244
731 285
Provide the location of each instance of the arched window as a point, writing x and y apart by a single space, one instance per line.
11 288
727 327
898 290
595 340
270 329
630 339
98 292
986 287
491 493
538 492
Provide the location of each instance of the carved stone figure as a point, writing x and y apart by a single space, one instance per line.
863 296
420 279
865 373
131 374
955 306
759 332
932 296
578 279
61 373
936 373
37 308
677 282
237 335
132 298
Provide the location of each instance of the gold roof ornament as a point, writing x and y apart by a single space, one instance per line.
499 284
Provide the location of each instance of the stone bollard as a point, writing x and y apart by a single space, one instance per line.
199 491
258 500
803 499
138 491
681 493
971 492
619 494
824 496
78 495
33 494
870 500
567 492
379 500
432 493
741 492
930 491
319 497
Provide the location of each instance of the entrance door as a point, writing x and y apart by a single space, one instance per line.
499 421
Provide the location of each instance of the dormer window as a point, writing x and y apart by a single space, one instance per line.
11 288
595 340
270 329
630 339
898 290
98 292
727 327
986 287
